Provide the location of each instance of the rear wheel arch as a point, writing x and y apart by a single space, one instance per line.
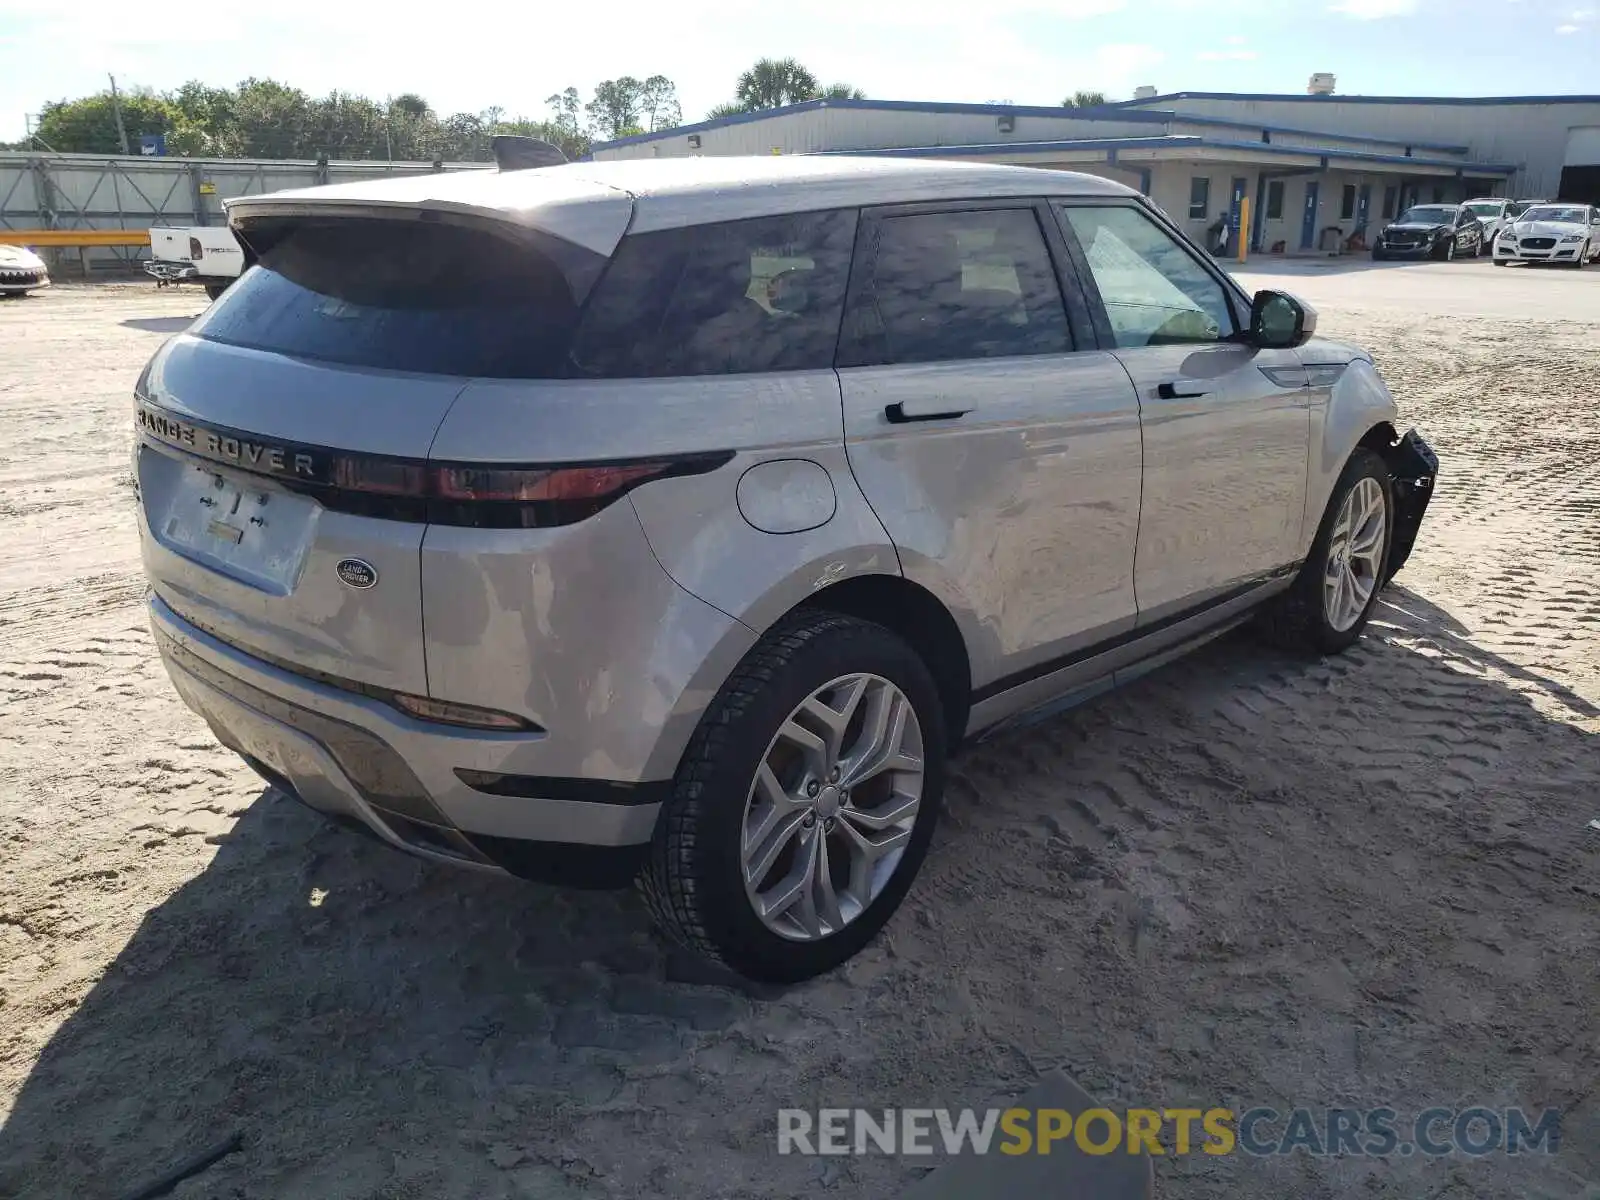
919 618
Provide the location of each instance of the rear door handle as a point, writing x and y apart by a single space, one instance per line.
1181 390
898 414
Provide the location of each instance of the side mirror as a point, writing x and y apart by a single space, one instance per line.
1278 321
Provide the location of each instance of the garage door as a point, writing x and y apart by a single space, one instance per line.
1580 178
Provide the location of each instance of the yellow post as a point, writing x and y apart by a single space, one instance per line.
1244 228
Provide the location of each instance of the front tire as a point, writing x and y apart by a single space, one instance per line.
1582 260
214 290
1328 606
805 802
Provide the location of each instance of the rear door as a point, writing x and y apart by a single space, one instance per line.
283 440
999 448
1226 426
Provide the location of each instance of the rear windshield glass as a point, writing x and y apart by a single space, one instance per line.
403 295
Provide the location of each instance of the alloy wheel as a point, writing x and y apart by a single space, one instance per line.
1355 554
832 807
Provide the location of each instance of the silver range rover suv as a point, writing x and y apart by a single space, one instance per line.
675 520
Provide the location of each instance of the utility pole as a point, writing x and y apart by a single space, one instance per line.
116 107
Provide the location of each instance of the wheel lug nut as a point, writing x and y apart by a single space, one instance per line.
833 775
827 825
812 788
809 820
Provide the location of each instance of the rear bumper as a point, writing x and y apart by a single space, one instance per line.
171 272
359 759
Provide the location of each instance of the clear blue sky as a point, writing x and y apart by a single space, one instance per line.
470 54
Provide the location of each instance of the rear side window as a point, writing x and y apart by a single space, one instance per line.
977 283
725 299
406 295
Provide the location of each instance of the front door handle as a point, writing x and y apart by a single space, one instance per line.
899 415
1181 390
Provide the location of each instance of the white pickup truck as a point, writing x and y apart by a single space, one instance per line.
204 254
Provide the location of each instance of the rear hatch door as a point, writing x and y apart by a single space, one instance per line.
283 440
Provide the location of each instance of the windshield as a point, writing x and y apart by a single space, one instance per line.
1552 212
1489 209
1428 215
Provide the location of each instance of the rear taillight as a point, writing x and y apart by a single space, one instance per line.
482 495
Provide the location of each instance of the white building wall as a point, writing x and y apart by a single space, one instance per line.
831 128
1533 135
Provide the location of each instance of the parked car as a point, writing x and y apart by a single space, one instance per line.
204 254
678 518
21 271
1494 213
1441 231
1560 233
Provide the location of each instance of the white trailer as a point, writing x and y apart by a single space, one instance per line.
203 254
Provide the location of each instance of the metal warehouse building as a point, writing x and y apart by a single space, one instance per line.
1319 168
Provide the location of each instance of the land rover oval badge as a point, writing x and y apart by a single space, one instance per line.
356 573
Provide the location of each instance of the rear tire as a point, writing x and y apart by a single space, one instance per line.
695 880
1300 619
213 290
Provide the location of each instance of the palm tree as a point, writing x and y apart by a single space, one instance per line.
842 91
772 83
731 109
1084 100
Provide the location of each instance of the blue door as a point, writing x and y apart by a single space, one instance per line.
1236 212
1308 223
1363 205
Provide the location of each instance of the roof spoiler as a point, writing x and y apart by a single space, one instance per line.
513 152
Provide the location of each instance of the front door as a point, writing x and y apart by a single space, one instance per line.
1226 426
1308 221
1001 457
1236 230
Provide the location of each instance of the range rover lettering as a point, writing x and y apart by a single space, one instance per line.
676 520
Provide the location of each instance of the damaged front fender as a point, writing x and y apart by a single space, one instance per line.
1413 470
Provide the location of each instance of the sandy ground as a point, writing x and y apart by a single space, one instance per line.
1247 880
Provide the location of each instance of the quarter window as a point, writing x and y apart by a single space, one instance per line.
956 285
722 299
1199 197
1154 291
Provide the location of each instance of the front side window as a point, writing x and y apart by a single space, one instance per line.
956 285
731 298
1155 292
1199 197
